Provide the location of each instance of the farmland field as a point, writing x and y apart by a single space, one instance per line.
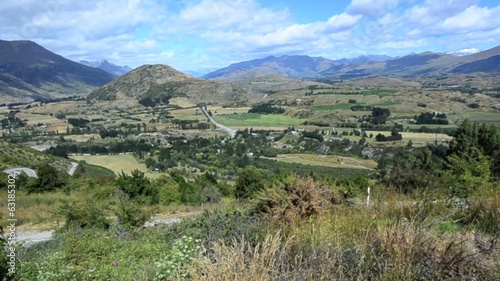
254 119
116 163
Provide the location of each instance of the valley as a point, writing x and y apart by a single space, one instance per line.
255 149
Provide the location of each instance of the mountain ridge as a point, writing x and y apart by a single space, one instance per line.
302 66
107 66
29 72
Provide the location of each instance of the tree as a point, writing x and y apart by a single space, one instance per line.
249 182
466 162
137 186
48 179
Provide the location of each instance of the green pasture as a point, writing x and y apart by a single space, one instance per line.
255 119
347 106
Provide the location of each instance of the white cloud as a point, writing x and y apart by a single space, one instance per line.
194 34
473 18
371 7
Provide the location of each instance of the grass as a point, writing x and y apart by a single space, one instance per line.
14 155
379 92
476 116
254 119
116 163
347 106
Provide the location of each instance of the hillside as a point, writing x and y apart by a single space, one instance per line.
28 72
15 155
161 82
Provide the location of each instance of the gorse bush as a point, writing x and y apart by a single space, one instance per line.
294 198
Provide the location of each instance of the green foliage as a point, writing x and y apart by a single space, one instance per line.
4 259
78 122
87 215
93 171
168 191
183 251
129 213
48 179
51 268
266 108
138 187
410 170
211 194
249 182
466 163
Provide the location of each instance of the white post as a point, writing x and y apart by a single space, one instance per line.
368 198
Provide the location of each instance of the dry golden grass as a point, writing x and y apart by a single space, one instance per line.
38 211
33 119
188 114
65 106
241 261
82 138
182 102
219 110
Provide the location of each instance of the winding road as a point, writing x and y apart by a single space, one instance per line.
30 238
30 172
228 130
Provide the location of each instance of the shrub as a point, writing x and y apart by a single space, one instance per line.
129 214
83 216
48 179
249 182
138 186
211 194
294 198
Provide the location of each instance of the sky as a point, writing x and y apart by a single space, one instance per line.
208 34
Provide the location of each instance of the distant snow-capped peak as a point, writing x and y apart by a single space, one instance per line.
465 52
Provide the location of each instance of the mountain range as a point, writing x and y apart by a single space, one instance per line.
297 66
30 72
426 63
107 66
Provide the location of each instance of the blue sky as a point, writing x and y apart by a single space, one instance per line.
207 34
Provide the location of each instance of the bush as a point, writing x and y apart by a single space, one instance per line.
138 186
129 214
294 198
211 194
83 216
48 179
249 182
